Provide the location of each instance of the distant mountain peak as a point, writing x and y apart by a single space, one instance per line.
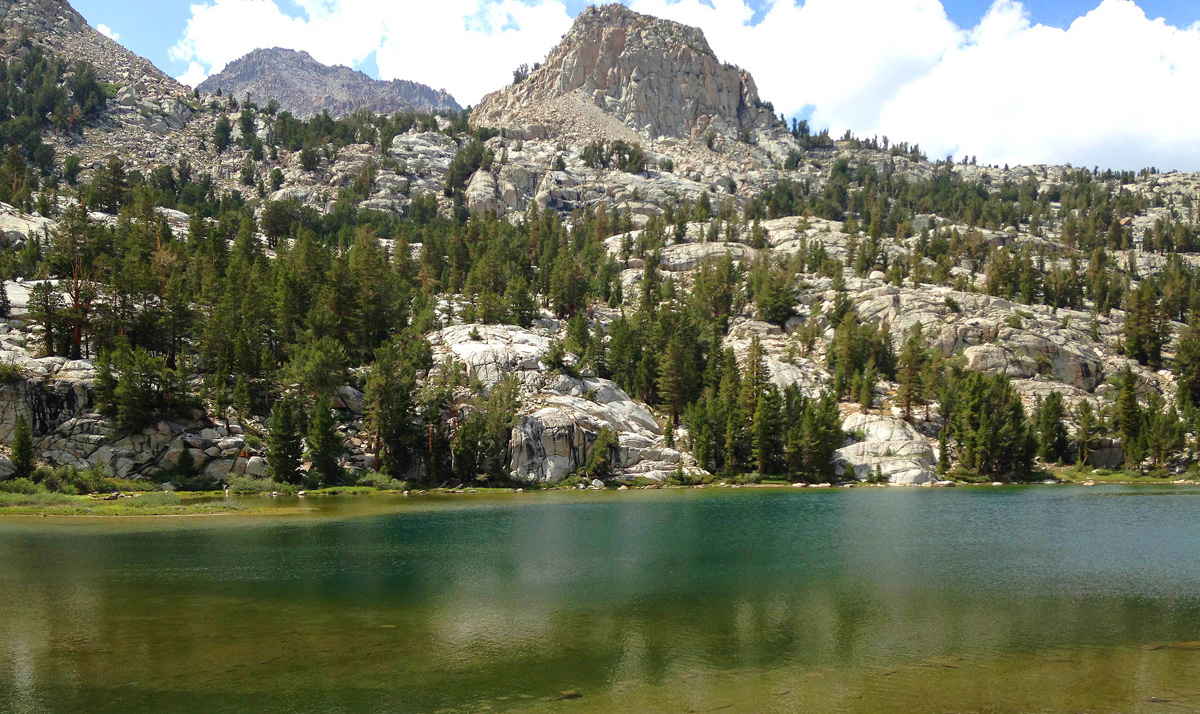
653 76
306 87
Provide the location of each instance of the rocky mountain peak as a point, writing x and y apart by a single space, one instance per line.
306 87
655 77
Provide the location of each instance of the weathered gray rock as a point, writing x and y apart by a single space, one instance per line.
888 446
499 350
256 466
305 87
481 192
654 76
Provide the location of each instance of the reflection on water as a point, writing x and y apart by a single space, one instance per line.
1000 600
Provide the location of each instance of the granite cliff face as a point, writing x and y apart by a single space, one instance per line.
656 77
305 87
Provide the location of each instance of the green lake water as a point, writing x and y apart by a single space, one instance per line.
1045 599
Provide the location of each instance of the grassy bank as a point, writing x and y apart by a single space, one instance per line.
134 504
1117 476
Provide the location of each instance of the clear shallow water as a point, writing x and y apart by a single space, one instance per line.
971 600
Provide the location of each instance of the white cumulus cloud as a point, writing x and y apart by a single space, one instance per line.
219 32
107 32
843 58
466 46
1116 88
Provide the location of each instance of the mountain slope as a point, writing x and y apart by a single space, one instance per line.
145 104
67 33
305 87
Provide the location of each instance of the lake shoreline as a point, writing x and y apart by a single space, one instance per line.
206 504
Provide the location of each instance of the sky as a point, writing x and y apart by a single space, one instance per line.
1108 83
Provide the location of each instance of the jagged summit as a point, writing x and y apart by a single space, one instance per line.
306 87
655 77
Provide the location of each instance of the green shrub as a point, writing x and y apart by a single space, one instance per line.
21 485
249 484
382 482
571 481
70 481
9 373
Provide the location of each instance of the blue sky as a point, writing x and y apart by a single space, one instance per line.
151 27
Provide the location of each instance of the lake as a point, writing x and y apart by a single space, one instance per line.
1036 599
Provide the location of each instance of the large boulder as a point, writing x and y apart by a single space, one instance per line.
548 445
481 192
553 438
888 446
17 227
491 351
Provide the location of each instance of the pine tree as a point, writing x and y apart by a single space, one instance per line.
520 304
943 464
284 445
186 465
775 298
22 449
500 416
45 308
5 306
1164 432
1053 443
676 377
740 424
1085 417
821 436
1129 418
866 386
1146 326
768 431
912 371
469 446
1187 365
106 385
986 419
324 445
220 397
222 134
600 455
390 393
242 400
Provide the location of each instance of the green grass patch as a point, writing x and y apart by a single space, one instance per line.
149 504
1075 475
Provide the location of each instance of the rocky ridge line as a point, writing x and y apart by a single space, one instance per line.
306 87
